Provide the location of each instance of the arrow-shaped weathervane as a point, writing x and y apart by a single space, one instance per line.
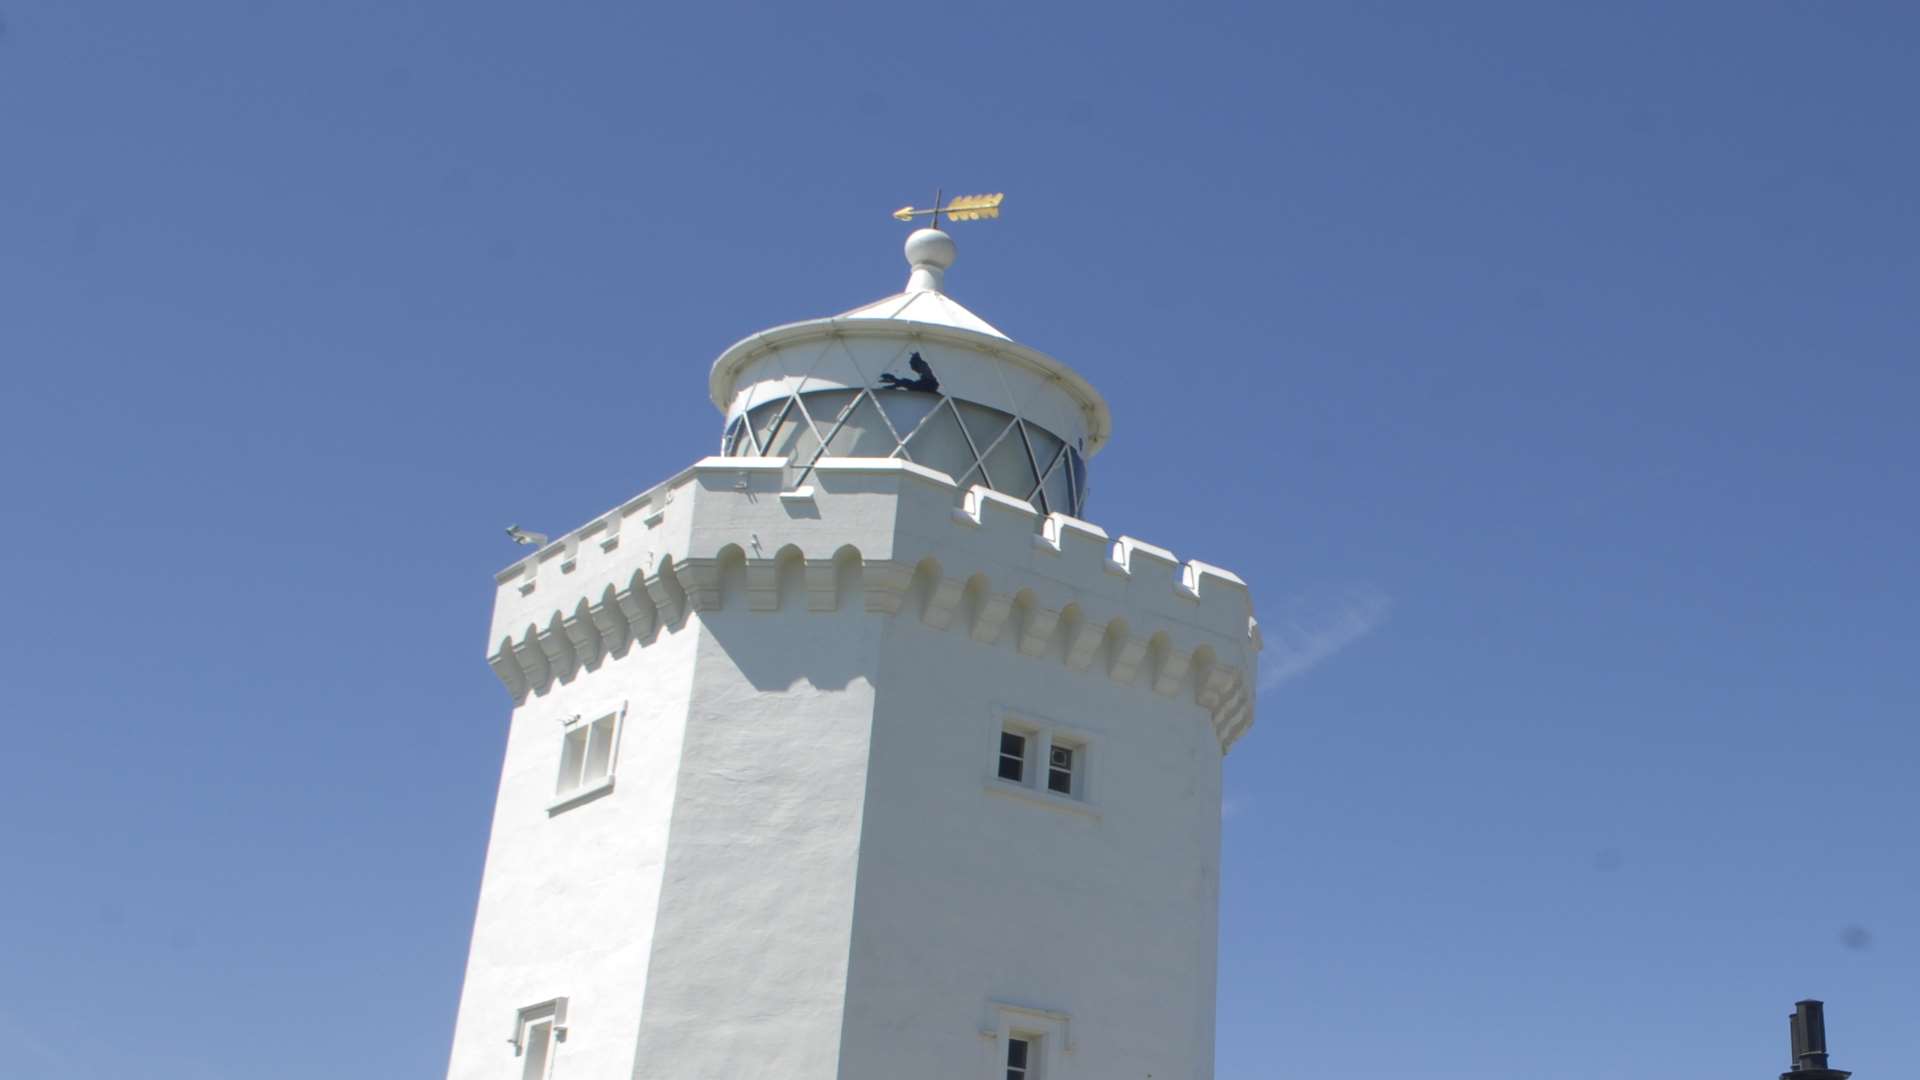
962 208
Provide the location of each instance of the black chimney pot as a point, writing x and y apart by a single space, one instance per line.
1808 1029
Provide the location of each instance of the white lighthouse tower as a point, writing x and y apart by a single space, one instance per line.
855 752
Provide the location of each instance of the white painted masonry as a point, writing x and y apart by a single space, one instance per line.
803 864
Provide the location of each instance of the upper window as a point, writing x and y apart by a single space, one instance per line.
1046 761
1013 757
587 756
1060 769
587 752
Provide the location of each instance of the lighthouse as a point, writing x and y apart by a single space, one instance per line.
857 750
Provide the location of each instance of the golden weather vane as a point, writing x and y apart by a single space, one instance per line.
962 208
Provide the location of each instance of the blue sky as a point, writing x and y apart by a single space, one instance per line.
1548 369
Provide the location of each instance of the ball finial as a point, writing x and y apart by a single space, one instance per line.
930 252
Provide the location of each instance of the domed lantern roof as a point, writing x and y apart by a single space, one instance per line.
915 376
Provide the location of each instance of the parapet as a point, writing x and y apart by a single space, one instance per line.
727 529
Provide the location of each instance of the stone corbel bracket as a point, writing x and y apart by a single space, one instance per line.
886 536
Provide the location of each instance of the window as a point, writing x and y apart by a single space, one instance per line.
536 1029
1021 1058
1013 756
1032 1041
1039 762
587 755
1060 769
539 1042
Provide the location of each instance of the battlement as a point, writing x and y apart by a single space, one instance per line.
885 535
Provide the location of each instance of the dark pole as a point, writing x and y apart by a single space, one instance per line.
1807 1029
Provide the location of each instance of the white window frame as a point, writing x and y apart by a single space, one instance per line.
1028 759
551 1014
1042 736
581 725
1049 1035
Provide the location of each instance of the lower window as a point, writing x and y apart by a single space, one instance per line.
536 1029
539 1044
1023 1057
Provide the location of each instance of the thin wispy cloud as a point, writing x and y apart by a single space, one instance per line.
21 1035
1311 628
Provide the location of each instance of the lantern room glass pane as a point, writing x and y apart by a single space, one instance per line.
825 406
1010 467
906 408
864 433
983 424
781 438
1045 445
763 417
940 445
1058 491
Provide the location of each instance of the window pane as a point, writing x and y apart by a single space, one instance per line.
1079 478
983 424
940 445
1060 770
1011 468
864 434
1045 446
779 439
539 1040
599 750
1017 1054
1058 491
762 418
795 440
906 408
573 754
825 406
1013 757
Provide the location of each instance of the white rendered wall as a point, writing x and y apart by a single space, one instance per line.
806 869
750 952
968 896
568 901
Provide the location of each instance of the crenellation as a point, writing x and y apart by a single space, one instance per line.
701 580
668 595
1083 641
942 601
1170 666
558 649
763 584
1036 630
1124 652
592 600
1073 538
990 610
615 632
584 635
822 582
636 606
885 584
